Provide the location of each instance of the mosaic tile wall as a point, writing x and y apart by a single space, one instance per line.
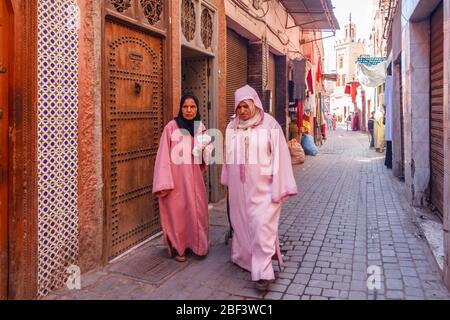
57 142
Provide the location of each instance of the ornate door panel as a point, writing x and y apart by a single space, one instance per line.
195 79
133 111
5 32
148 14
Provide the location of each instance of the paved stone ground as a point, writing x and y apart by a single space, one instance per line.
350 214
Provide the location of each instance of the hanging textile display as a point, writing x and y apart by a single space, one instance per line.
299 78
348 89
310 82
389 88
324 118
306 127
322 103
300 116
319 72
354 90
371 76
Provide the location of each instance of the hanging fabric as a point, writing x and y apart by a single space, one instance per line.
299 79
310 82
389 88
371 76
323 103
319 72
348 89
354 90
300 116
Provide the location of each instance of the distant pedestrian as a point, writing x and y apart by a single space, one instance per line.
379 130
371 128
349 120
324 127
334 122
330 121
355 122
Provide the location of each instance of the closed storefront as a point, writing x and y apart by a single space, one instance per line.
236 67
437 109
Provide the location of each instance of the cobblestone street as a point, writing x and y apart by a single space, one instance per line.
350 214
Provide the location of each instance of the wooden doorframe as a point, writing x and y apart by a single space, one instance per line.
22 234
6 22
166 35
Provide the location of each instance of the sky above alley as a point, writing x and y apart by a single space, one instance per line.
361 11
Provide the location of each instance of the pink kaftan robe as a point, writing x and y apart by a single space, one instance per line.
184 212
255 198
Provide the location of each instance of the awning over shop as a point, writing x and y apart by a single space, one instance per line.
312 14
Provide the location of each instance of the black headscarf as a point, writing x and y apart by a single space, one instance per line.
182 123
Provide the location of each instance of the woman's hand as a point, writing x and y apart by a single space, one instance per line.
163 194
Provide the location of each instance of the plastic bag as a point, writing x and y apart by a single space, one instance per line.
309 145
297 153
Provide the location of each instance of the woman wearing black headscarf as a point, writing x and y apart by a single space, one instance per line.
178 183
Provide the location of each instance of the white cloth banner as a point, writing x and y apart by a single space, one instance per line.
389 89
371 77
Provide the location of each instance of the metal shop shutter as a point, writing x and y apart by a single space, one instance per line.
236 67
402 120
272 82
437 109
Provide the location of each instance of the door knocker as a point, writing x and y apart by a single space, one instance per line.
137 87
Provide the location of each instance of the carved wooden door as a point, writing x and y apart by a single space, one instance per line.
4 105
133 120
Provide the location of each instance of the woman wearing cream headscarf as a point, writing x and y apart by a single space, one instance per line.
257 188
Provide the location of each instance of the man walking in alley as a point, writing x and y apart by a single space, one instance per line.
370 127
349 120
259 176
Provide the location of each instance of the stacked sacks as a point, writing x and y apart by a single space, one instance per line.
297 153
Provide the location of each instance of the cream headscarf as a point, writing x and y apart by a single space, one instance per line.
253 121
249 96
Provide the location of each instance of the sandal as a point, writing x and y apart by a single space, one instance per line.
262 285
180 258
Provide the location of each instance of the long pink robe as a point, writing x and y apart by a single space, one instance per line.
256 199
184 212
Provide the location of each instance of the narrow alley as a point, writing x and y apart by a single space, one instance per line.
350 215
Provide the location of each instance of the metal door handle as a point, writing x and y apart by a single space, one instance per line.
137 87
3 69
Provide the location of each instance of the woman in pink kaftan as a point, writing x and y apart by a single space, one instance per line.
259 176
178 182
355 120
